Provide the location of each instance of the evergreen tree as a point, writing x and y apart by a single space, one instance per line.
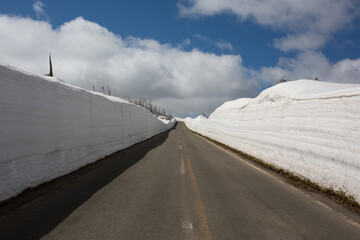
282 80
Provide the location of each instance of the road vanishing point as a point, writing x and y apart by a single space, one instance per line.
176 185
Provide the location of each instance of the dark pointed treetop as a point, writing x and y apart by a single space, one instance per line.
50 74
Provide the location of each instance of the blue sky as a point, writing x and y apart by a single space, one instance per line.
265 41
160 20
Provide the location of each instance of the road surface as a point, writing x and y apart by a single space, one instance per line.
176 185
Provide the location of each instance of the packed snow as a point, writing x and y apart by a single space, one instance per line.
49 128
307 127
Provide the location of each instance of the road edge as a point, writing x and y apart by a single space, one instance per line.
340 197
69 176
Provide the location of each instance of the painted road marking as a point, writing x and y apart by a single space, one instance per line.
182 167
199 206
187 226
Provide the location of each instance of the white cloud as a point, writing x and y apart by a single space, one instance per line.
345 71
201 37
222 45
184 44
85 53
38 7
320 17
310 64
302 42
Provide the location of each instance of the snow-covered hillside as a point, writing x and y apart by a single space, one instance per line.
49 128
310 128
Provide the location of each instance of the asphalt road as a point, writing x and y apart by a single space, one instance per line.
176 185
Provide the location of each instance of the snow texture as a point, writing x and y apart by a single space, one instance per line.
307 127
49 128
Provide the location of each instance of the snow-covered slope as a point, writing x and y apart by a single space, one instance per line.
308 127
49 128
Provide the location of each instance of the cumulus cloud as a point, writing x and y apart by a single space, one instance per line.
302 42
86 54
308 65
317 17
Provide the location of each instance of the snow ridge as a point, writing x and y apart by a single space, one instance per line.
307 127
49 128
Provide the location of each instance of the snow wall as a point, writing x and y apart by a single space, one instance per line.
309 128
49 128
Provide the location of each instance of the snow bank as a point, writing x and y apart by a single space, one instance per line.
308 127
49 128
195 124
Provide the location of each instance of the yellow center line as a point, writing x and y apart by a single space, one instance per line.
332 210
204 226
